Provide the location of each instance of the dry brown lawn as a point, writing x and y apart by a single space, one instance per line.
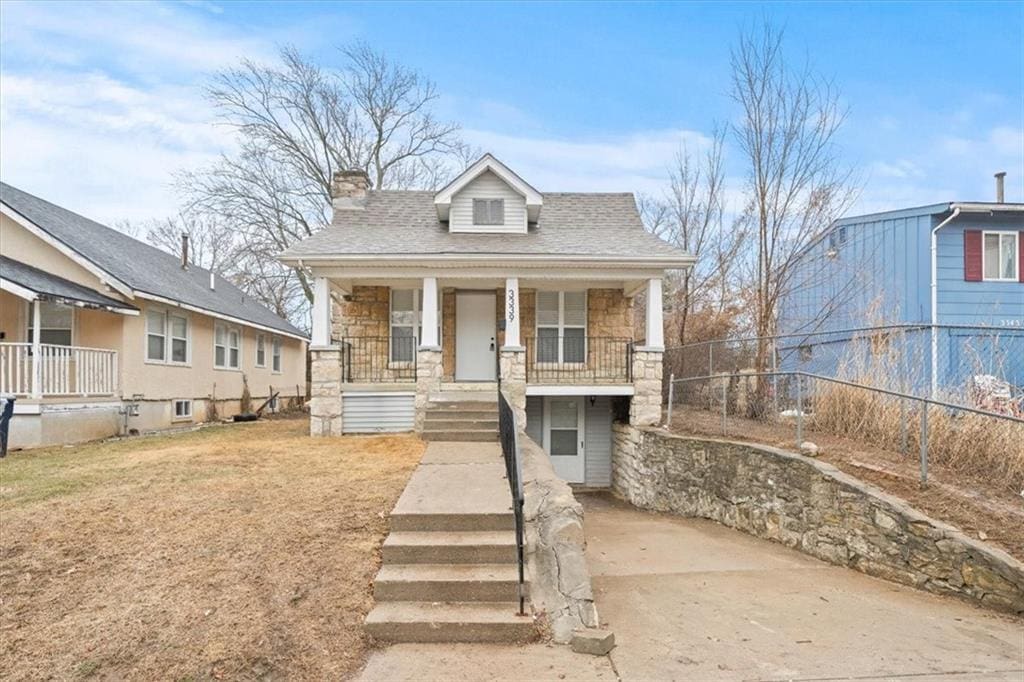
232 552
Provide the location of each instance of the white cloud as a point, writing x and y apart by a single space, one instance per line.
633 162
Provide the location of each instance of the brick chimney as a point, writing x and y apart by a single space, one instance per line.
348 189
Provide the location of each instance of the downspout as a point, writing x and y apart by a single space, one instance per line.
935 300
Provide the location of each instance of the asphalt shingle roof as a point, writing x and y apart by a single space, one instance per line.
51 286
570 224
142 267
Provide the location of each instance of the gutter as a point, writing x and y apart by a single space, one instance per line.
935 299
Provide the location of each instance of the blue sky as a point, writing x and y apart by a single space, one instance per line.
101 103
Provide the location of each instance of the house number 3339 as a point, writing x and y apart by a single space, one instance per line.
510 314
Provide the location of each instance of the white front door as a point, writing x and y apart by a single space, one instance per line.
563 436
476 336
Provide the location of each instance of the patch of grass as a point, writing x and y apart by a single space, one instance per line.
243 551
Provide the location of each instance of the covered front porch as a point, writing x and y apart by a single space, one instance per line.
386 345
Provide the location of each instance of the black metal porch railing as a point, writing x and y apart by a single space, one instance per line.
579 359
378 359
509 436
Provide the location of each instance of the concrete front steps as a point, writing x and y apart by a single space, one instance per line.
462 416
449 568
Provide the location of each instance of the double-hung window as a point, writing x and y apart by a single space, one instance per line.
561 327
166 337
227 346
275 355
1000 257
407 321
261 350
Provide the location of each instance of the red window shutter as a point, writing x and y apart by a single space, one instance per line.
1020 256
972 255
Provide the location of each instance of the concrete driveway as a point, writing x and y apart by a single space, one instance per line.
692 600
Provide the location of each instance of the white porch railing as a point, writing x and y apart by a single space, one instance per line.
57 370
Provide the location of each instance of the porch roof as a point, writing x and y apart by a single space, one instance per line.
602 228
33 283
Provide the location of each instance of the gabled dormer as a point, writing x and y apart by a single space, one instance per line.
488 198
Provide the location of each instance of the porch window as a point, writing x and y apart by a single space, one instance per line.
561 326
227 343
999 256
275 355
261 350
55 324
407 322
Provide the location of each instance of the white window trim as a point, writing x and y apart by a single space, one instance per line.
174 410
1015 251
487 203
561 327
167 313
260 338
417 325
228 328
276 345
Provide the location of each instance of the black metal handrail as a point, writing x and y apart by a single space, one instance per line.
568 359
378 359
509 435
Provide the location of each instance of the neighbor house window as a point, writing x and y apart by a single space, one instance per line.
488 211
166 337
55 324
1000 256
261 350
561 326
406 322
275 355
227 343
182 409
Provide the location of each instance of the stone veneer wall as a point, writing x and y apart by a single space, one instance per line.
556 565
325 391
810 506
645 405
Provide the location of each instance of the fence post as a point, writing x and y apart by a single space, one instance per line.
711 372
725 400
775 377
671 395
924 442
799 411
903 426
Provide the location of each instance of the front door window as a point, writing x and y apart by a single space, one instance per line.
563 437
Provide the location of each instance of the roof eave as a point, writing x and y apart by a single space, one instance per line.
540 260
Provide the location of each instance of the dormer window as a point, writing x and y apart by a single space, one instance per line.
488 211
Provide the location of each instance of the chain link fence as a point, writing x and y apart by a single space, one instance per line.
973 366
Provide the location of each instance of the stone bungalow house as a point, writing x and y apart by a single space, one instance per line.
92 319
423 298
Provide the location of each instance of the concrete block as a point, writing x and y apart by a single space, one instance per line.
593 641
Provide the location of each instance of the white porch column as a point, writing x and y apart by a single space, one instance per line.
430 320
655 325
37 350
512 339
321 312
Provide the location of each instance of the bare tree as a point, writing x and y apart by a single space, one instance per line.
296 124
691 215
212 245
796 183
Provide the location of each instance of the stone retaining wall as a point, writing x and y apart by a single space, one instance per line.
556 565
811 506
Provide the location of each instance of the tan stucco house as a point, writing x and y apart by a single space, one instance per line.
102 334
424 300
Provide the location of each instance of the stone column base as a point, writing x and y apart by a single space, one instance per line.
429 369
325 418
513 381
645 406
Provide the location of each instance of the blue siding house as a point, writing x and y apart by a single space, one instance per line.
959 266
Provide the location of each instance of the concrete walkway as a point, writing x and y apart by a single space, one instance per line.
692 600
